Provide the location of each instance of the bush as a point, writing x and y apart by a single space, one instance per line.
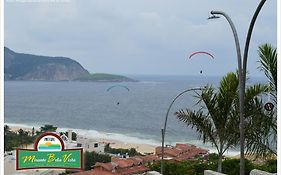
229 166
269 166
90 159
131 152
232 166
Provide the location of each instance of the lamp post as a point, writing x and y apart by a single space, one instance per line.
163 131
242 69
241 90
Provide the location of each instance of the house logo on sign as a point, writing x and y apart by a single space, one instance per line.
49 153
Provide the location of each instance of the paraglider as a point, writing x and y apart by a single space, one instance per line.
115 86
201 52
117 91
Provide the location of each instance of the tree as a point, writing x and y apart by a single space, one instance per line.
131 152
32 132
24 137
217 121
21 136
214 121
7 129
268 60
16 139
90 159
47 128
262 141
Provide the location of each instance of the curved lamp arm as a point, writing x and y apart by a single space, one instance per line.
163 131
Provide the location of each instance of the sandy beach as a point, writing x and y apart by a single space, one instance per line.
142 148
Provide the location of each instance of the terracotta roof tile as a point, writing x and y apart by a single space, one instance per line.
134 170
123 163
149 158
173 152
108 166
137 160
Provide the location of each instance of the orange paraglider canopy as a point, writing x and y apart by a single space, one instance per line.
201 52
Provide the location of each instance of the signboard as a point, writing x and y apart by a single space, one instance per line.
268 106
49 153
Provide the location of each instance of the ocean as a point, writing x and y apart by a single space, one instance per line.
89 108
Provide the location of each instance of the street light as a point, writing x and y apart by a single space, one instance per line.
163 131
241 88
242 75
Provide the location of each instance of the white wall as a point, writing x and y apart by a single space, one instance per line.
210 172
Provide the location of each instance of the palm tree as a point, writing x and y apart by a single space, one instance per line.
262 140
21 136
268 60
7 129
215 121
47 128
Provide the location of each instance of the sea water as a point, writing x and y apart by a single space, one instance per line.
132 116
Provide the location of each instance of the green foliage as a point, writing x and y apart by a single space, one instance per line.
22 138
268 166
268 61
217 121
90 159
214 121
103 77
13 140
131 152
184 168
213 157
232 166
195 167
262 139
46 128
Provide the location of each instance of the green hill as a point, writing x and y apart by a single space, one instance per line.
21 66
103 77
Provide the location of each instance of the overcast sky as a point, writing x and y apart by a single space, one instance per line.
139 36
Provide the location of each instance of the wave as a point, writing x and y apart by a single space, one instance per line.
94 134
126 139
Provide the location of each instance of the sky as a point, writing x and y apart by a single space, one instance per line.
146 37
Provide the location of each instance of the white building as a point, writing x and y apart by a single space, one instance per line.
90 144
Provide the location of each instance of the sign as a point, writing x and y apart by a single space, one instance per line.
268 106
49 153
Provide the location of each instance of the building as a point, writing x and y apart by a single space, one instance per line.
181 152
128 166
90 144
139 165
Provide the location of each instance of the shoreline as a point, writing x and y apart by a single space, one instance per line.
114 143
117 140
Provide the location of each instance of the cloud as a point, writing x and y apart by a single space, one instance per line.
152 37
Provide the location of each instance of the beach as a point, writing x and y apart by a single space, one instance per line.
10 159
117 140
143 148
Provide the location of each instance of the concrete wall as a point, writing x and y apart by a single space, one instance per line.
259 172
152 173
90 144
210 172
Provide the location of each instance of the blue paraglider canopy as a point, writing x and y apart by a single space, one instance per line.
116 86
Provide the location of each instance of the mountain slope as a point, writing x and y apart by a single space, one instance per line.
19 66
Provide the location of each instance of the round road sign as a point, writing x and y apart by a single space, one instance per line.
268 106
